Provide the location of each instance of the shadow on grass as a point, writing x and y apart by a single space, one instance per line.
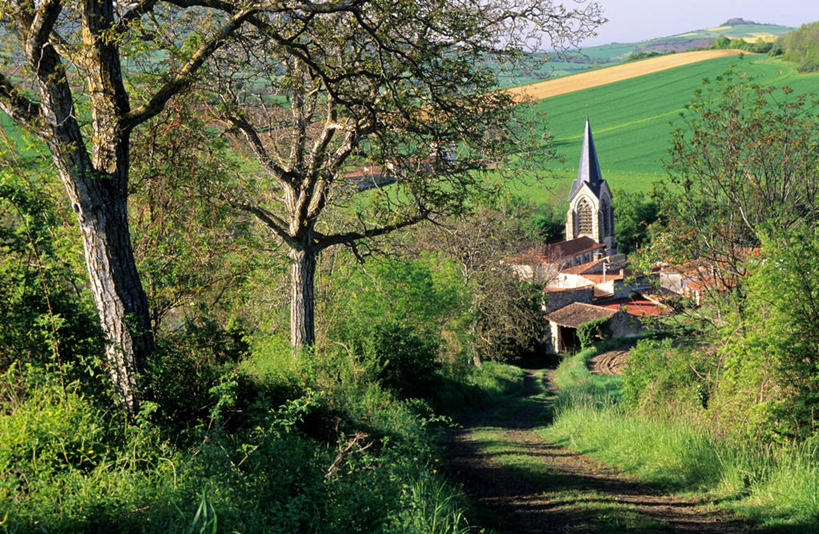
528 485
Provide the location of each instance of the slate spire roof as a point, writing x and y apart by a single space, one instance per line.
589 168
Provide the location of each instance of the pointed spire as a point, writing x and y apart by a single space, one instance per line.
589 168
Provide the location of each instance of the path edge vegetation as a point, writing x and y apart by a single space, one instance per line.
774 486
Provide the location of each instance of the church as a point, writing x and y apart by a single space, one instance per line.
590 211
590 237
584 277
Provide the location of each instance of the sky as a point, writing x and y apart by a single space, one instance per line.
637 20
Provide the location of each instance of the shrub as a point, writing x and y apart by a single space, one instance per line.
658 373
188 364
406 361
593 331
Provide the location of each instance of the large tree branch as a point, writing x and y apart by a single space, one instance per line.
281 174
18 107
42 25
347 238
143 7
276 6
337 159
184 77
271 220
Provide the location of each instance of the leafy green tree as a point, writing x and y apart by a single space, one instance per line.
505 316
192 252
773 357
546 225
802 47
368 94
64 80
634 213
744 161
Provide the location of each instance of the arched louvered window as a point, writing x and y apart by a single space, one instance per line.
605 227
584 217
611 220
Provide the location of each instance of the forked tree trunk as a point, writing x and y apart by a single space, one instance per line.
302 297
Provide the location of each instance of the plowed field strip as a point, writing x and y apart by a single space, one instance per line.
585 80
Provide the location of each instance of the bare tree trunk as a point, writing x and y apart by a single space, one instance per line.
302 297
99 195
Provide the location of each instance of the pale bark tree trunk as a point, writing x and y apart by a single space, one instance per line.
95 174
302 297
97 186
120 299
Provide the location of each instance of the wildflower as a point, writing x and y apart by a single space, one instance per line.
434 471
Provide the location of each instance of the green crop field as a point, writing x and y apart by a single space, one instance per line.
631 121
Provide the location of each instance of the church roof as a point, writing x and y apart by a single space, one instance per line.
589 168
555 252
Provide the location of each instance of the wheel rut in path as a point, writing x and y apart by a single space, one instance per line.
524 484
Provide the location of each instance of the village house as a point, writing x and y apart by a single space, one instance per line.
585 278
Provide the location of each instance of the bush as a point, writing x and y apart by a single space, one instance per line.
659 374
774 358
405 361
594 331
189 363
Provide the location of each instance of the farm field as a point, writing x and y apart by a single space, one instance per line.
540 66
586 80
632 119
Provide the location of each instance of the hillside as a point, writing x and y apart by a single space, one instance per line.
540 66
631 119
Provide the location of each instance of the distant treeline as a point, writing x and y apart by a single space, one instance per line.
800 46
761 47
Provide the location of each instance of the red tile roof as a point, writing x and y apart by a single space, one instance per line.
554 252
556 289
638 307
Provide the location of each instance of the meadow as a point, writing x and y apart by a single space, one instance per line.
632 121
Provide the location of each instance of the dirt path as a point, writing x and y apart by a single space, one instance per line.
616 73
524 484
608 363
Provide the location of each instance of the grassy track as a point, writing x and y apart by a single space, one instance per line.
528 485
775 486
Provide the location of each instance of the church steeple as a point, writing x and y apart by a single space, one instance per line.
589 169
590 209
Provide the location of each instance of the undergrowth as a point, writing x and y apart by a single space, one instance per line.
290 444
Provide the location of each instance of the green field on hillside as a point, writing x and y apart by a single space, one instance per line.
539 66
631 120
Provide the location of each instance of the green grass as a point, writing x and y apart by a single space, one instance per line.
774 486
632 121
67 465
585 508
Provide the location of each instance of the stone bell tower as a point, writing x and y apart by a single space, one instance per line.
590 210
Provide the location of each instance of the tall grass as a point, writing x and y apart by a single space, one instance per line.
774 485
295 444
